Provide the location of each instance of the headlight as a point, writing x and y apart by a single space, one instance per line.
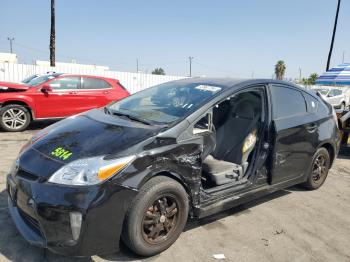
89 171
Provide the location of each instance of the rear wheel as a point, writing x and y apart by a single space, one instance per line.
319 169
14 118
342 106
157 217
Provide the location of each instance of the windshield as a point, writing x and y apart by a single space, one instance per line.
39 80
166 103
323 91
28 79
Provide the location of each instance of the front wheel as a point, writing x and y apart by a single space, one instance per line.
14 118
157 216
319 169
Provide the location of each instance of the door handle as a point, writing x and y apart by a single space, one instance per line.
72 92
106 92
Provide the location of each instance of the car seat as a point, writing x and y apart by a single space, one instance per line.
235 140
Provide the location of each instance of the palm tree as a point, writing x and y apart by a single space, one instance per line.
52 35
312 79
333 36
280 69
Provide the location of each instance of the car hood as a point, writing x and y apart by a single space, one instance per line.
12 87
90 134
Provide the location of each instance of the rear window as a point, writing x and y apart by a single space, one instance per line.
123 87
287 102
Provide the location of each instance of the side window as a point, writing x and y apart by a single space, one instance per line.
287 102
65 83
311 103
94 83
338 92
332 93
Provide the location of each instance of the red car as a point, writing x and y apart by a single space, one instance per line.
54 96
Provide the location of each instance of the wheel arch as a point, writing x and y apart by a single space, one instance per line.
331 150
22 103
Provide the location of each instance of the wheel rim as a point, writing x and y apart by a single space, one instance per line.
14 118
319 170
160 220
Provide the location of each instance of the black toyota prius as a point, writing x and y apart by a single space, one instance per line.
137 169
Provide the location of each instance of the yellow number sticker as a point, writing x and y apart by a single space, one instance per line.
61 153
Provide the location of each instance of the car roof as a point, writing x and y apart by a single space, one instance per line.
93 76
232 82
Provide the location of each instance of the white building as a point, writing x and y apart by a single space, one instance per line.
8 58
72 65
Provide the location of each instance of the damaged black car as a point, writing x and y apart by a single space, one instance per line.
136 170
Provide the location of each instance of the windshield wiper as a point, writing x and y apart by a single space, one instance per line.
131 117
107 111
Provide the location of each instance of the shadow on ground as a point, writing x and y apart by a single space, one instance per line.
15 248
37 125
344 154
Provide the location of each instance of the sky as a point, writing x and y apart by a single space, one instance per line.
226 38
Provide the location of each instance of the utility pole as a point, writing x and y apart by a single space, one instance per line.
137 65
333 36
343 57
299 74
190 58
52 35
11 39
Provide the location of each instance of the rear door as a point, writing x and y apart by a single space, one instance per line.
93 93
294 133
61 101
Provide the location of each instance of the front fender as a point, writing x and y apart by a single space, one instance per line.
23 99
180 162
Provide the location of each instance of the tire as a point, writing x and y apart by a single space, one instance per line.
318 172
14 118
144 219
342 106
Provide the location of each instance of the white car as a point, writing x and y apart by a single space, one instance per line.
334 96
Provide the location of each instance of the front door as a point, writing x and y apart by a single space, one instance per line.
61 101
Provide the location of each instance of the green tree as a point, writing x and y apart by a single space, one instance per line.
280 69
158 71
311 80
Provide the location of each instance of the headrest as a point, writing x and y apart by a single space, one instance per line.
244 109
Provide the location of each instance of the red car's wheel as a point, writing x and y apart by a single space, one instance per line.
14 118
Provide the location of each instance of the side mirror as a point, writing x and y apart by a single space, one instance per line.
46 89
202 126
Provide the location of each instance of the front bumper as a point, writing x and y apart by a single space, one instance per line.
41 210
